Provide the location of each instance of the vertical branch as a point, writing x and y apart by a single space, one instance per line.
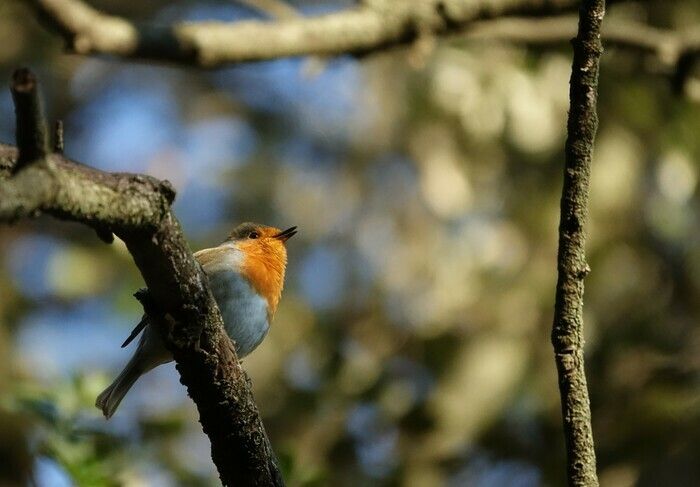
567 331
32 138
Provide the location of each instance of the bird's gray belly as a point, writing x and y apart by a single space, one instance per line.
243 310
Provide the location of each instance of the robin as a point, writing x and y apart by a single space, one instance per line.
246 276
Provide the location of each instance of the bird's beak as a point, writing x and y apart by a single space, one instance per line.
287 234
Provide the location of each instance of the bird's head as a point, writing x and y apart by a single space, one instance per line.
265 257
256 239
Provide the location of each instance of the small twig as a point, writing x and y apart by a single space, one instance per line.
58 137
31 135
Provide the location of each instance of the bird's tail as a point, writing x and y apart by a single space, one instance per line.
150 353
109 399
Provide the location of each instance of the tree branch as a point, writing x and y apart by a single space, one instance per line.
137 209
373 26
31 135
669 48
567 330
276 9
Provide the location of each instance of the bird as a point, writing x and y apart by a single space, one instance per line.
246 276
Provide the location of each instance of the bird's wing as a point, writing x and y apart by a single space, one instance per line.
209 259
135 332
215 258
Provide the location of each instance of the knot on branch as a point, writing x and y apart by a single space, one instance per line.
567 363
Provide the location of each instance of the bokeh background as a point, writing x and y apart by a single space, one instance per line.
412 343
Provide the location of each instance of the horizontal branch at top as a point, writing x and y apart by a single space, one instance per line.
372 26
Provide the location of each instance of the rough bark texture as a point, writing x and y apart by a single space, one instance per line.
567 332
137 209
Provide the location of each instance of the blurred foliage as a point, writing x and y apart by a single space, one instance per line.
412 344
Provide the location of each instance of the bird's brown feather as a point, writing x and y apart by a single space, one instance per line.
208 257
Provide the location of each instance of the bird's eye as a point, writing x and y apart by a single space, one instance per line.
253 235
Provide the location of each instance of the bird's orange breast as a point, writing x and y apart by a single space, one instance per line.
263 266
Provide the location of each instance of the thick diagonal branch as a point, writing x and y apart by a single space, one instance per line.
137 209
567 331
